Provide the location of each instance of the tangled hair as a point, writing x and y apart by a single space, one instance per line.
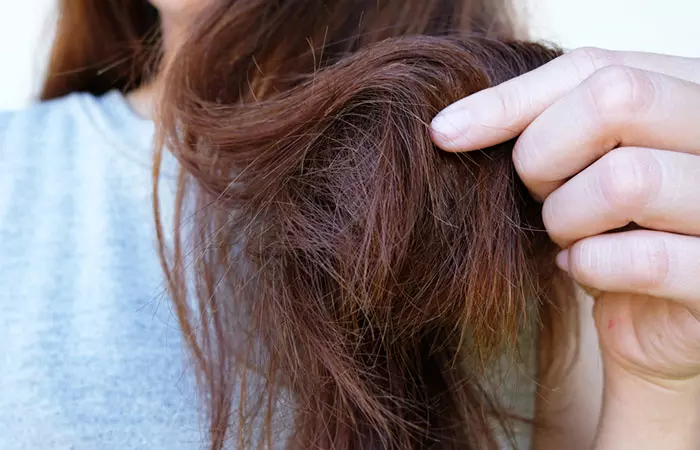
348 272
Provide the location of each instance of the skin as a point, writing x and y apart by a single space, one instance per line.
174 16
607 139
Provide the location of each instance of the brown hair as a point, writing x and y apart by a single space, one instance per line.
338 256
101 45
344 268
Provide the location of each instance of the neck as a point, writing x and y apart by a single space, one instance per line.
142 99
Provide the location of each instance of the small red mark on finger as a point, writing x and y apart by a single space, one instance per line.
611 324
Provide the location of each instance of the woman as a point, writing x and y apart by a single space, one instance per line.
87 217
91 354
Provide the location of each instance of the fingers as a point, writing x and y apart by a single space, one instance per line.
501 113
617 106
655 189
638 262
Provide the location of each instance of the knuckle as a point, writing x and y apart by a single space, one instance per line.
629 180
587 60
650 262
619 91
509 102
525 158
638 262
556 222
549 217
584 263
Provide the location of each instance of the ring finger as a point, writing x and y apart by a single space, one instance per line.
646 262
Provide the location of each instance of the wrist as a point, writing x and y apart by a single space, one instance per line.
641 414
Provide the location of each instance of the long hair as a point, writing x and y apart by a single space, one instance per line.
341 283
102 45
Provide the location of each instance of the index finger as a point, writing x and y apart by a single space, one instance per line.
502 112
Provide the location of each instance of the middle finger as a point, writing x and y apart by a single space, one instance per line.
617 106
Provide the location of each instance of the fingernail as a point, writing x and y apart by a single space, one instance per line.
449 126
563 260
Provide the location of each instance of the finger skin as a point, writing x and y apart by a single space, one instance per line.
615 107
638 262
655 189
501 113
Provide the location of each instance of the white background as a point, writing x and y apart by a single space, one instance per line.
666 26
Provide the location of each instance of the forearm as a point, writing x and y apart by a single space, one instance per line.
640 415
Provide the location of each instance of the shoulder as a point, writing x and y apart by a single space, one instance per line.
50 122
40 113
74 139
76 122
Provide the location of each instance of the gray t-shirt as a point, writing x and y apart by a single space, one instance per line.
90 351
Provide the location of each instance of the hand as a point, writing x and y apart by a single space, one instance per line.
608 139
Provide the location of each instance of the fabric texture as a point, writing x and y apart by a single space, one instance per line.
91 355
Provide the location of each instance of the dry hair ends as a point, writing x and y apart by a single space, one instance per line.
368 279
348 278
